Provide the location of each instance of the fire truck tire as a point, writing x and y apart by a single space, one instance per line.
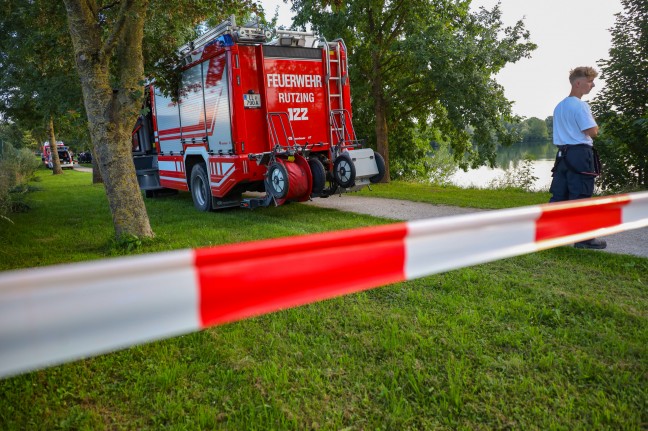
380 164
344 171
200 190
277 180
319 175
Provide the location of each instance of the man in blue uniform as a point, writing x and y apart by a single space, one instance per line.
574 128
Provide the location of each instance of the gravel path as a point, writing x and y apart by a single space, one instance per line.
82 168
633 242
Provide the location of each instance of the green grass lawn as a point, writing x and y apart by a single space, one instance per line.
550 340
457 196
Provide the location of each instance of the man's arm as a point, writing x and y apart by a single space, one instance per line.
592 132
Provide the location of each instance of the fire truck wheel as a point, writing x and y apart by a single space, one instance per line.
200 190
319 175
277 180
380 164
344 171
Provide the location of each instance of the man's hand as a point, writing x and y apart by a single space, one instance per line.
592 132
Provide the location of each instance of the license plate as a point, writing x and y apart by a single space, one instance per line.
252 100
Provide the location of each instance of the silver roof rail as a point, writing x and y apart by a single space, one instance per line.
253 34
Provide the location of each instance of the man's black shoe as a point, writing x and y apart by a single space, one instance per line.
593 244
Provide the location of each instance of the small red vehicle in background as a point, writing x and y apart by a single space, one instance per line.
64 153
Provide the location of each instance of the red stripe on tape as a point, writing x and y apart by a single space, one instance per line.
574 217
244 280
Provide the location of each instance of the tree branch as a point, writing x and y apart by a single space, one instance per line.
92 7
398 22
116 33
389 64
109 6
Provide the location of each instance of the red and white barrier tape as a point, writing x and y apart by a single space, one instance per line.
57 314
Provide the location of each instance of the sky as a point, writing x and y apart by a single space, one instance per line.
569 33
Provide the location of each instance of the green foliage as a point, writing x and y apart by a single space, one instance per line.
549 123
11 134
412 153
621 107
531 130
519 177
17 168
425 63
38 78
126 244
535 130
623 149
441 165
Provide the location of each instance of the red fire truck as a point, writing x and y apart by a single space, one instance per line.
64 153
254 115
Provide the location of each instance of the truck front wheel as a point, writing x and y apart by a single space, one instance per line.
200 190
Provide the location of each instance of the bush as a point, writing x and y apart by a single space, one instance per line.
622 148
17 168
442 166
520 177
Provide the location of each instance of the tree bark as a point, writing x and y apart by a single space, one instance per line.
112 111
380 111
56 161
96 174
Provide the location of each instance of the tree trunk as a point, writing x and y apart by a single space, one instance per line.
112 112
96 174
380 112
56 161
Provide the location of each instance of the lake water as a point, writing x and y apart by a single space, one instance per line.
543 155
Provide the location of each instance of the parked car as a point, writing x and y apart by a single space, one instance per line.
85 157
65 156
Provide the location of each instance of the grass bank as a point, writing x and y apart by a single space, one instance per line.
551 340
457 196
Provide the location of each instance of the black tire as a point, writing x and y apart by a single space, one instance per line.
344 171
200 189
277 180
380 164
319 175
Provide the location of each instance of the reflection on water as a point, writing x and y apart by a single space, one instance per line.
483 177
516 152
542 153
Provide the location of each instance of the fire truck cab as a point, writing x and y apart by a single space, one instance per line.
253 115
